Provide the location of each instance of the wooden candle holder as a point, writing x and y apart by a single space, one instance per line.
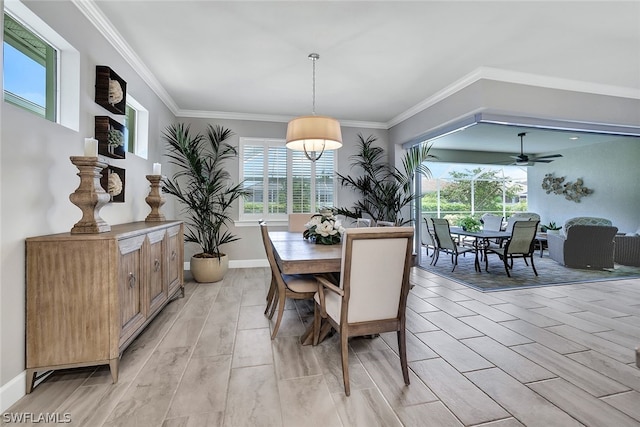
155 199
90 197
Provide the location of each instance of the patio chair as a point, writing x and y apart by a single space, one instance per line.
283 286
363 222
445 243
371 294
428 239
519 245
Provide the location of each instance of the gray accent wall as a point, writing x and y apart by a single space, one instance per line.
36 176
610 169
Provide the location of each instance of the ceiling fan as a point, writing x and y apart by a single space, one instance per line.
524 160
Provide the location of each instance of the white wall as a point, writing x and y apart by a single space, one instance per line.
610 169
36 176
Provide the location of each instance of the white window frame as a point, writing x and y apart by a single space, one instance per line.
270 142
68 64
141 135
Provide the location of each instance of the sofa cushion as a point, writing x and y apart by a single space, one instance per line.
584 220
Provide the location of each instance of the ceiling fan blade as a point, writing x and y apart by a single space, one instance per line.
550 156
539 160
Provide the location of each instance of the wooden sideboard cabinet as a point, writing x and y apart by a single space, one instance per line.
89 295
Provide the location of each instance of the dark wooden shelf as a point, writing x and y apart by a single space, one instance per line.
104 75
103 125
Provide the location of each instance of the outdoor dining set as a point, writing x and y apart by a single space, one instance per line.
516 240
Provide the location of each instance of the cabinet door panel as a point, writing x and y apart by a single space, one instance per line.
130 287
158 286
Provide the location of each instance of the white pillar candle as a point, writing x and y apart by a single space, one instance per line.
90 147
157 168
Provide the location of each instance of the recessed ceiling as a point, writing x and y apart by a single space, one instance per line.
504 139
377 59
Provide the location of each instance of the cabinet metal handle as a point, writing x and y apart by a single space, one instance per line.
173 255
132 280
156 265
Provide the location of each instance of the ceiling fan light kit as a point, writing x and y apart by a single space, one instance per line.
314 134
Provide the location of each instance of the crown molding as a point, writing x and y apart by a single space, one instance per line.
103 25
507 76
223 115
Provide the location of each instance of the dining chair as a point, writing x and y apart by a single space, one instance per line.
445 242
363 222
521 244
283 286
370 296
297 221
385 224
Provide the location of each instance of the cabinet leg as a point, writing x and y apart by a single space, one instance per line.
182 291
113 367
31 379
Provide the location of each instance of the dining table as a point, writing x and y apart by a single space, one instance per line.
297 255
480 239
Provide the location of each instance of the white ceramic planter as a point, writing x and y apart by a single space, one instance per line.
209 270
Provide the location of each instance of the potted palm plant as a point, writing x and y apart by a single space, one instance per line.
384 190
206 191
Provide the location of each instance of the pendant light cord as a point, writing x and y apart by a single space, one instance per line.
314 57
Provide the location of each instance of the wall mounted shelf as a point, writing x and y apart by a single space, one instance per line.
111 90
104 126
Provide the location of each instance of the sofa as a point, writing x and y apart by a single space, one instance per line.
585 242
627 249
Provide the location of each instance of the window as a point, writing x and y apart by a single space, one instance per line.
282 181
136 122
30 65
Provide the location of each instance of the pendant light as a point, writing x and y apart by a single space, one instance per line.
314 134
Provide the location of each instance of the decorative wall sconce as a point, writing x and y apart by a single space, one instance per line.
573 191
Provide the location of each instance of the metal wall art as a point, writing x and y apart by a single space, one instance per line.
573 191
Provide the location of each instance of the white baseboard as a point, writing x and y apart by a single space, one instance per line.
244 263
13 391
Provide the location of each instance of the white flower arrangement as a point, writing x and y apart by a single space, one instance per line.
325 229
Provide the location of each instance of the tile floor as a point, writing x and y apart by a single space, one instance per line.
553 356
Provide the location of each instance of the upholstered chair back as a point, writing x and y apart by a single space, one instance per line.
297 221
375 272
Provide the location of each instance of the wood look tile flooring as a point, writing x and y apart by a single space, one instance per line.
553 356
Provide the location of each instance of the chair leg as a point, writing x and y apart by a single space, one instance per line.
402 349
505 259
280 313
344 353
317 320
533 265
274 303
270 296
454 260
437 256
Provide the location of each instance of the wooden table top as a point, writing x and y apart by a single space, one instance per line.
296 255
